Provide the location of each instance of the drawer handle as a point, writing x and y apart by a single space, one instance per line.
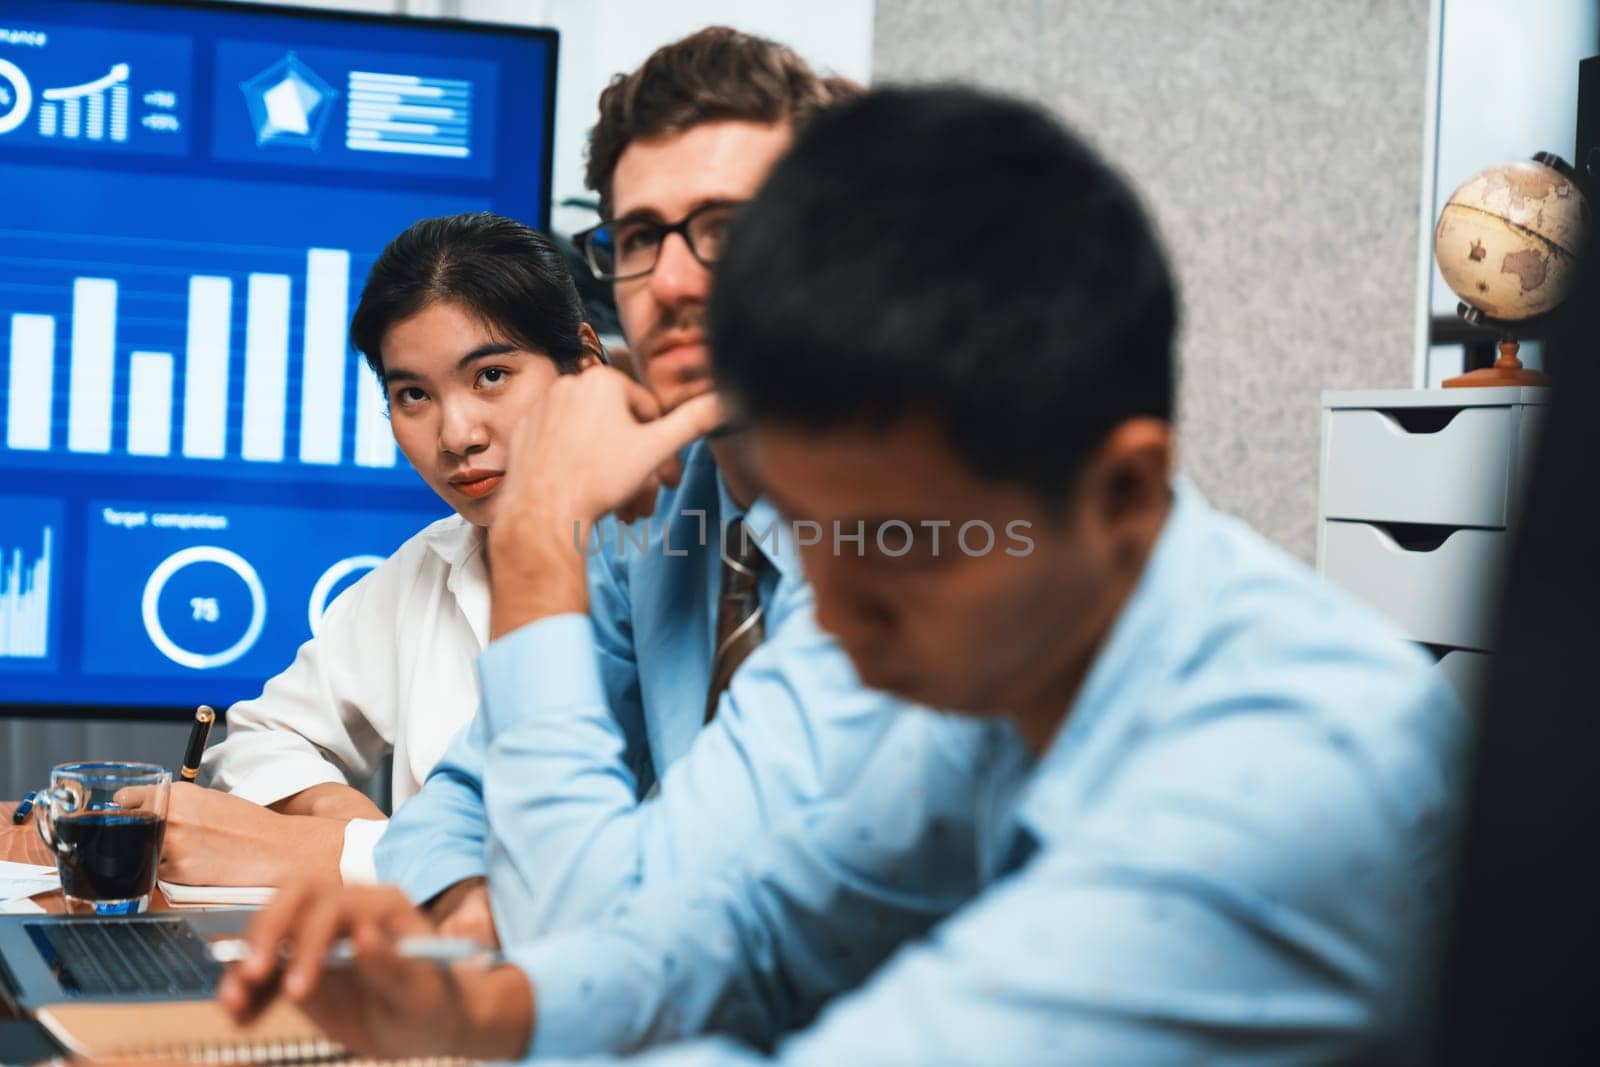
1415 536
1421 420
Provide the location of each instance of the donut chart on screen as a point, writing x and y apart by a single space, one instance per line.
206 608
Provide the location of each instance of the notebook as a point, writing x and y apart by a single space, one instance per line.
199 1031
195 896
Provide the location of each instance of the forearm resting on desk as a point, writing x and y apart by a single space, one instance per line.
216 838
329 800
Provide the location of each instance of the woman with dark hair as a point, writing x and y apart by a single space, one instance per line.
466 320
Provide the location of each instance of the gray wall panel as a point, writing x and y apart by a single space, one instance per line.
1279 147
32 746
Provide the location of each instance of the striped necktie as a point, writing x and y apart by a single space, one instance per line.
739 622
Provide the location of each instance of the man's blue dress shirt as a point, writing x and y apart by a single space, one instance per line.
1234 850
580 714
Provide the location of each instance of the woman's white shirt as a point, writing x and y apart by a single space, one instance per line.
392 668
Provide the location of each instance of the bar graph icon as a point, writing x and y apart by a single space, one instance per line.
25 597
200 428
95 110
409 115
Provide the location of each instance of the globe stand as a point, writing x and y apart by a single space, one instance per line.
1507 370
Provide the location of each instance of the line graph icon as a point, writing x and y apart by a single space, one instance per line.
76 111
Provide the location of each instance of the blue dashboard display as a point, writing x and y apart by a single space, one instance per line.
193 462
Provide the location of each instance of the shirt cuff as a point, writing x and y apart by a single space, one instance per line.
356 863
546 664
428 880
432 875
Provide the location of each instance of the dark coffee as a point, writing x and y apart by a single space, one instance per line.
109 855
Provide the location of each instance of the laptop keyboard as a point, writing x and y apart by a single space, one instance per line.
120 956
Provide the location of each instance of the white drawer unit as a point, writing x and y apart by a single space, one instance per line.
1439 594
1419 488
1378 468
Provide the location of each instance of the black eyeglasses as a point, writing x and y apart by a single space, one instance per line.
629 248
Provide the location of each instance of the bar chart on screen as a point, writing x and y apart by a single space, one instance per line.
197 470
82 110
29 538
185 351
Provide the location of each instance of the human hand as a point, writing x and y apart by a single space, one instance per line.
594 443
216 838
463 911
381 1003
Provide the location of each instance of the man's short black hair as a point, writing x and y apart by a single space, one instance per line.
946 253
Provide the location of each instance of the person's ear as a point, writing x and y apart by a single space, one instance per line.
1131 480
593 352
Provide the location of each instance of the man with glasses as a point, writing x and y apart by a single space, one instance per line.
602 672
625 250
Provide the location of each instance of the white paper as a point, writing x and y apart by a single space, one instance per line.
22 906
21 880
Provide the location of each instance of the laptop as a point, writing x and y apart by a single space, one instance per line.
157 956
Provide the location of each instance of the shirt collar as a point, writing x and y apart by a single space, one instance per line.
459 545
771 534
1145 640
454 541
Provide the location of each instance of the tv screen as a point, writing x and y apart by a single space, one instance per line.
193 461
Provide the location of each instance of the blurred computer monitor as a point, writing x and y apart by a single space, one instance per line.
193 462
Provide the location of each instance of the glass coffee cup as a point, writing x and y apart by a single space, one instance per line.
107 852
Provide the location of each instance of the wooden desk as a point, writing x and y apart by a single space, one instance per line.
21 844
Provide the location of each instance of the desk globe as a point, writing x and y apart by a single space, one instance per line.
1508 243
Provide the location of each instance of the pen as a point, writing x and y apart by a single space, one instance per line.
20 816
431 949
203 718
